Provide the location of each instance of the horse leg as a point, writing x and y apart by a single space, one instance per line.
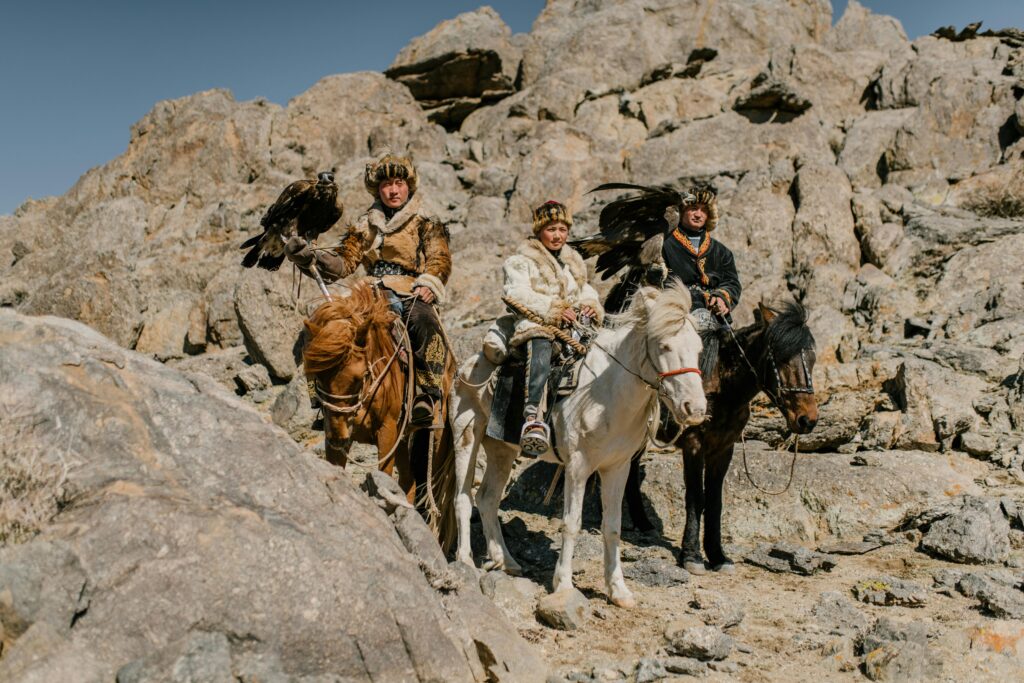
465 465
613 482
406 477
693 476
634 499
500 458
714 478
575 485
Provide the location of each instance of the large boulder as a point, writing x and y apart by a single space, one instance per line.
172 529
460 65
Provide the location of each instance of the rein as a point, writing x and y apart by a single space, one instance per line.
807 388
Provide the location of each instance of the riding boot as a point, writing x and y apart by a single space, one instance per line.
430 358
536 438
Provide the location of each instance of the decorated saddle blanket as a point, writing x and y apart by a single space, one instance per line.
506 421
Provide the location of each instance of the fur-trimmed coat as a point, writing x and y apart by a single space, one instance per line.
538 281
416 242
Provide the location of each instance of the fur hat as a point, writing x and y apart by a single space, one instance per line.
707 197
390 166
550 212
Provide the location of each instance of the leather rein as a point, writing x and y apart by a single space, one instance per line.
661 375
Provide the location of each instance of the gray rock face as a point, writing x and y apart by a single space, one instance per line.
888 590
837 615
565 610
700 642
460 65
656 572
716 609
975 532
787 557
195 536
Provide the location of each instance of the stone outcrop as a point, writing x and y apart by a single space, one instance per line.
876 179
165 526
461 65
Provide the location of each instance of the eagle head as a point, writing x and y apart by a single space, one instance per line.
325 178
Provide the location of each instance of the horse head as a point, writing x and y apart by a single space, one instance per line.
346 338
787 363
673 346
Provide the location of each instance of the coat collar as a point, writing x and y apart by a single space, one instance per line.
571 259
381 224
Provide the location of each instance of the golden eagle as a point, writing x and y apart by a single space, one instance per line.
306 207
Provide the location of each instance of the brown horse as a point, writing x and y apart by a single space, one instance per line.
774 355
364 382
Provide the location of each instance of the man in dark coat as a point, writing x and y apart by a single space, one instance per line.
689 254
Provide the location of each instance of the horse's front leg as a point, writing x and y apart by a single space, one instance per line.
634 498
466 449
714 477
500 458
572 518
693 476
613 483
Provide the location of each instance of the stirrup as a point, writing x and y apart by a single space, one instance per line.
535 439
422 416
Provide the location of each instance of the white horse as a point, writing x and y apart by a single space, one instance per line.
648 353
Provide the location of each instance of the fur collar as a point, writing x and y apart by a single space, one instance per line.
538 253
375 216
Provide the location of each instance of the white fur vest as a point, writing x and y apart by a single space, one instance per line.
536 280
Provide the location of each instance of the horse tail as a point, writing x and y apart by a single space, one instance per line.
328 345
439 502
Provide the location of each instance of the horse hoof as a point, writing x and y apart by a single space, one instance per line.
623 601
724 568
694 567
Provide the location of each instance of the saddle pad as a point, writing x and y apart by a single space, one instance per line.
506 421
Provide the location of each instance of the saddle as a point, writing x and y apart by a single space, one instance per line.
506 420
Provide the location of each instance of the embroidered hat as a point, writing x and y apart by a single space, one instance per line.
707 197
390 166
550 212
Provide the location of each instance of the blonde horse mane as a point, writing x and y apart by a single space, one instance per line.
356 325
669 310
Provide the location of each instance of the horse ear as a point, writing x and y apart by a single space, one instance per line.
766 314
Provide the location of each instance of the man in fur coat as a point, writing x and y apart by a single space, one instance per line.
407 252
689 254
549 278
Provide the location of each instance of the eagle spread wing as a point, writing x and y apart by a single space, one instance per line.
625 224
306 207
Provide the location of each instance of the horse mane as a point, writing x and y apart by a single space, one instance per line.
359 323
788 333
669 311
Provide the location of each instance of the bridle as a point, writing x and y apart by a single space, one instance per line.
780 388
361 398
654 386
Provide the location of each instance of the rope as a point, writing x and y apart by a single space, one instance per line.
792 466
559 334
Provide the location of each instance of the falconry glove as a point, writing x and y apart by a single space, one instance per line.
298 251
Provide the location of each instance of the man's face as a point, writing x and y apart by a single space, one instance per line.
695 216
394 192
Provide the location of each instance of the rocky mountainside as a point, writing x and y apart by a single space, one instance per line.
877 180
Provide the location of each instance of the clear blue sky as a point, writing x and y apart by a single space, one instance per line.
75 75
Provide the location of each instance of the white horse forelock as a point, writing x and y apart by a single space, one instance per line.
670 310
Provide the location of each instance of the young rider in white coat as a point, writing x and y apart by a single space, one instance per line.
549 278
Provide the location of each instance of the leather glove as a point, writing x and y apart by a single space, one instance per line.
298 252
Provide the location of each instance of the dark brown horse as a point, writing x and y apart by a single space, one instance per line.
364 381
774 355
